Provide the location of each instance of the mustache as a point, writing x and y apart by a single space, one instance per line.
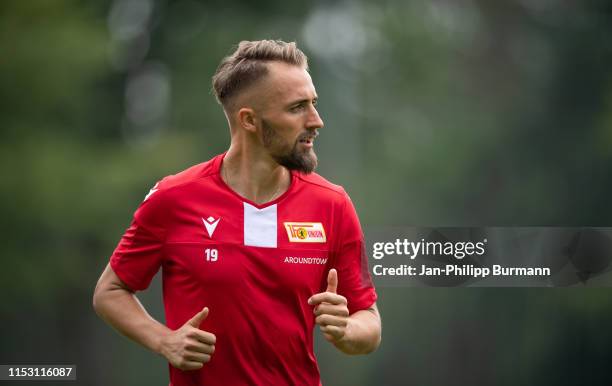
309 134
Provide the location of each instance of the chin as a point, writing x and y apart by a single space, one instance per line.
304 162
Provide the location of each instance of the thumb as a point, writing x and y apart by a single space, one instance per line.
332 281
199 318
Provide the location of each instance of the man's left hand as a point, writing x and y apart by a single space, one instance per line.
331 310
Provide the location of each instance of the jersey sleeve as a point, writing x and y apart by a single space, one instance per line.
139 254
351 261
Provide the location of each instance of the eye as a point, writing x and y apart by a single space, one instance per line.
297 108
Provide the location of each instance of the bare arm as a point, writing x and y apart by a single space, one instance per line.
117 304
359 333
186 348
363 332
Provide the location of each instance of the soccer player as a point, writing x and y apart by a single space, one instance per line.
255 248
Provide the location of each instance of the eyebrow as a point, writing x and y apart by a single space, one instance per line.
302 101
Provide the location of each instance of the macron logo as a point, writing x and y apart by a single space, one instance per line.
153 190
211 224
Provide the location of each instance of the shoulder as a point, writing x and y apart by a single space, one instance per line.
191 174
173 182
322 187
317 182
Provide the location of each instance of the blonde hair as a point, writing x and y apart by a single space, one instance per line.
248 64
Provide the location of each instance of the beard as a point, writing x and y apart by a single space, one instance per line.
291 157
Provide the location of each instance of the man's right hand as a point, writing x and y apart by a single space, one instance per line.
188 348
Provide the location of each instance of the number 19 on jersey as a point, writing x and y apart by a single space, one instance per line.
211 254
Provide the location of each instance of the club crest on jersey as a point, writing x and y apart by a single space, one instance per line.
305 232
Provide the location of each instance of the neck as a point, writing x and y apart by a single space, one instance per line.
254 175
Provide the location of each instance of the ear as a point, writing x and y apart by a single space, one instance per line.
246 119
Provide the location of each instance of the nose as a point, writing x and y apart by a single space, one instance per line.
314 120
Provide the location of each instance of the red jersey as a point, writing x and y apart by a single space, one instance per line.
254 266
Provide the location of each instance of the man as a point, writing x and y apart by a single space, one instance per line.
255 248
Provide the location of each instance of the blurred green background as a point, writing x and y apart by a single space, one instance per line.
438 113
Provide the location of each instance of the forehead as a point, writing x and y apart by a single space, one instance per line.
286 83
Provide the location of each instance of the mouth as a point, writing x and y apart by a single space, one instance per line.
308 138
306 141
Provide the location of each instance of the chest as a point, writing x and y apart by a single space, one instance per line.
235 245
